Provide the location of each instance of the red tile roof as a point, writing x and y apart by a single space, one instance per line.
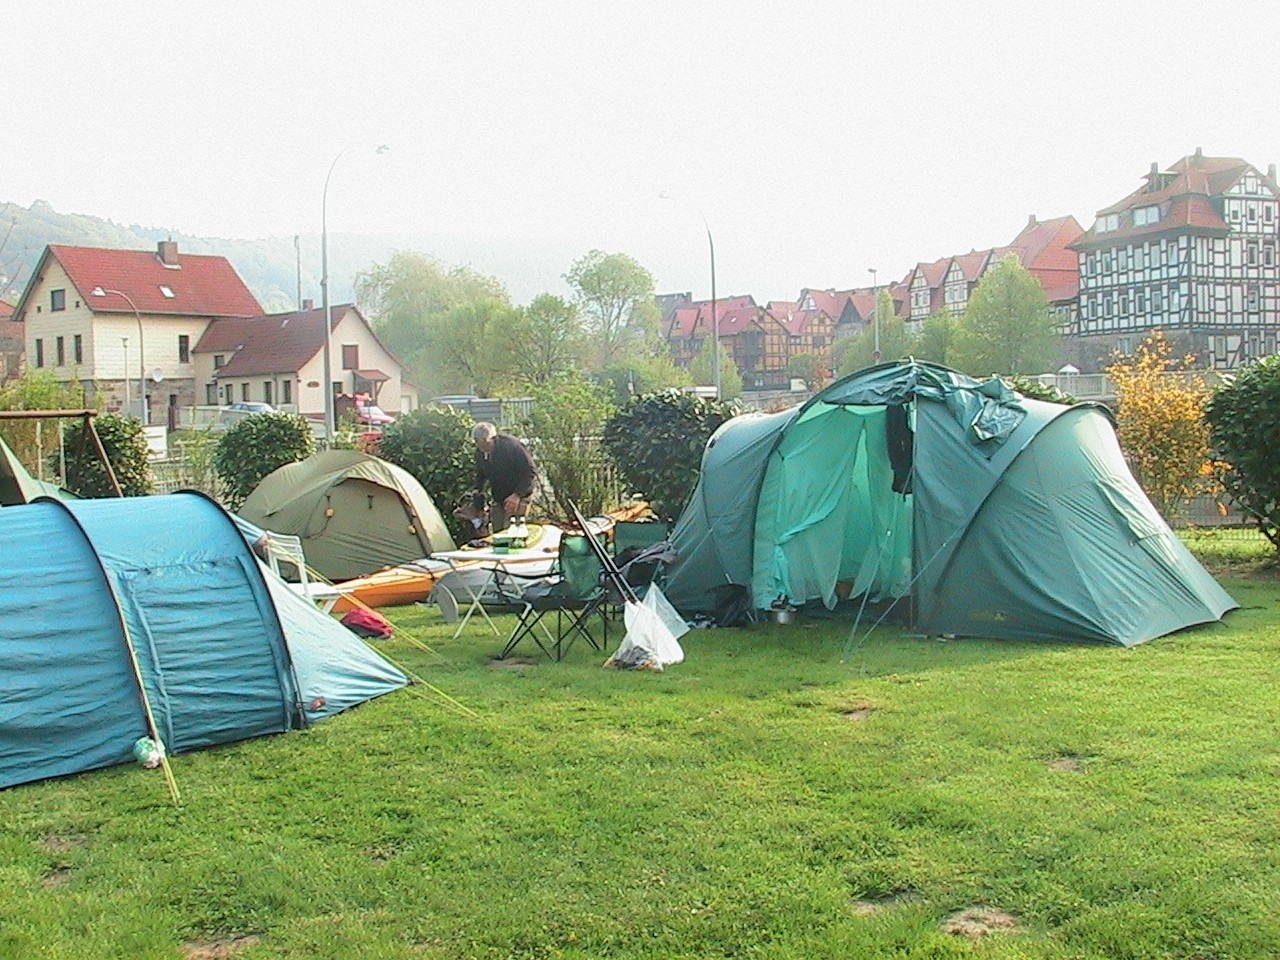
13 330
6 310
203 286
268 344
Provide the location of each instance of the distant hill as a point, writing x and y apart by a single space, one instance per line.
270 267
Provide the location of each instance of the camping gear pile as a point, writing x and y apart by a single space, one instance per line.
971 509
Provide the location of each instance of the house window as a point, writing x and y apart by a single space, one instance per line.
1251 298
244 392
1145 215
57 300
1251 254
1108 223
77 348
286 392
60 348
211 394
1268 255
229 393
336 387
184 348
39 352
266 391
1125 345
167 292
350 356
219 361
1253 213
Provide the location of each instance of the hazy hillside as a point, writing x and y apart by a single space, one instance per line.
270 267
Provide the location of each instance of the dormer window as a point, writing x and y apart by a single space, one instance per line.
1107 223
167 291
1145 215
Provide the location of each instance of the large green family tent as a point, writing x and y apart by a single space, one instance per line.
969 508
355 514
150 616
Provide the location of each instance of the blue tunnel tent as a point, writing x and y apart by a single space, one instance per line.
110 606
972 509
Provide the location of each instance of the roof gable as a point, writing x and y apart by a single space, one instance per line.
163 282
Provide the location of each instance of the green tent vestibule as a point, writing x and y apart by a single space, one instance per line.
979 511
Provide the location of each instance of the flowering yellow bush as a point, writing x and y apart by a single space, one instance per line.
1161 423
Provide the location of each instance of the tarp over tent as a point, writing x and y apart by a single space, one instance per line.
108 607
982 512
355 514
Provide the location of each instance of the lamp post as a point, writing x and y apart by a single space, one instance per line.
715 316
142 353
124 342
324 296
876 355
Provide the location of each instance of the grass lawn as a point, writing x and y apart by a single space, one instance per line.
781 794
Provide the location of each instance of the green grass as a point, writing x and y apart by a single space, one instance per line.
778 795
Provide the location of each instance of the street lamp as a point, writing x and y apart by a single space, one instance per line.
124 342
876 355
715 316
142 354
324 296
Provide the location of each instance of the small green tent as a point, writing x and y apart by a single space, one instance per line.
973 509
356 514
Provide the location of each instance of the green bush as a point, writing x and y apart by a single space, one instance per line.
434 444
256 446
567 416
1033 388
657 441
126 447
1244 421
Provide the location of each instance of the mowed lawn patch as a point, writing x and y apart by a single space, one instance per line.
784 793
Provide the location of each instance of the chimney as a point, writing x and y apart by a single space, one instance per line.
1199 152
1271 172
167 251
1155 168
1031 220
308 304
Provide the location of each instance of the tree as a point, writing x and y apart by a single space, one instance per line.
937 338
32 440
256 446
657 442
568 415
411 295
550 340
703 370
1160 422
1244 421
634 376
475 347
1007 327
615 294
858 350
126 448
812 368
434 444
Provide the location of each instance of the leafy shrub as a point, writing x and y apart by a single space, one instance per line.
1244 421
657 441
1160 422
1033 388
567 416
434 444
256 446
125 445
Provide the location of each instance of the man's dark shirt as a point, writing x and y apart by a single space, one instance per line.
508 468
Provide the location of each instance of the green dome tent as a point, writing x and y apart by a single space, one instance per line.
355 513
979 511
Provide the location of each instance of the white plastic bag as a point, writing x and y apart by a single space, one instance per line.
653 634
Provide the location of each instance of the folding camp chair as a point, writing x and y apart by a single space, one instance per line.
635 553
573 594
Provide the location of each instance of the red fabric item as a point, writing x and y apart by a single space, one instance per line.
367 623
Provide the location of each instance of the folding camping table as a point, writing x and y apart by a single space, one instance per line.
501 568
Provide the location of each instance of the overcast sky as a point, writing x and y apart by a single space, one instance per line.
816 140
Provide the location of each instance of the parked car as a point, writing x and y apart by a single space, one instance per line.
367 413
233 413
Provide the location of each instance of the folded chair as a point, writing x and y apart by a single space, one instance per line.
572 597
